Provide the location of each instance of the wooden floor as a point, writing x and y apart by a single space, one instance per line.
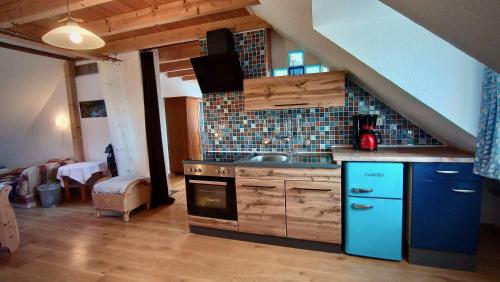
69 244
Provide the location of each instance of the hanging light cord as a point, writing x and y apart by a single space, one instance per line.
69 17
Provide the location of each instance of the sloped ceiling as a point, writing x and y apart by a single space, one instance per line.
296 25
32 94
471 26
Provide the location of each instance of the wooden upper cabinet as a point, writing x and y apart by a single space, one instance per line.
310 90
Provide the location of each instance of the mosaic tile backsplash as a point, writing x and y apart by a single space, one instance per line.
227 127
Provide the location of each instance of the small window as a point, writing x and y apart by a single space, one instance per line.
295 58
313 68
280 72
296 70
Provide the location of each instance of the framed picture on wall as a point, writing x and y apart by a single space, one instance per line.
295 58
93 109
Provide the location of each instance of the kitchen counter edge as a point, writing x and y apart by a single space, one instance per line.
424 155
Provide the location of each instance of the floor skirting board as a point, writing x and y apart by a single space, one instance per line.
442 259
265 239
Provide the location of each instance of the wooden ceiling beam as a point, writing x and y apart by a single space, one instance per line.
180 51
189 77
176 66
35 52
180 35
162 14
16 39
180 73
25 11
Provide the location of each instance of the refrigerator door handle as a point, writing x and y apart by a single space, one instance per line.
362 190
361 207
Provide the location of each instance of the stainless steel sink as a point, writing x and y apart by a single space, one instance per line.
269 158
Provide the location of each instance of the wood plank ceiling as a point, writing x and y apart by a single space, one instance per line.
173 26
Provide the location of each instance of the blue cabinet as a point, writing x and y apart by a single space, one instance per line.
374 209
445 213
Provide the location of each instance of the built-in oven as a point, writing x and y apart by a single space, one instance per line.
210 191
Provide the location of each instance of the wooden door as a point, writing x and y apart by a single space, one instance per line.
183 129
193 126
261 206
313 211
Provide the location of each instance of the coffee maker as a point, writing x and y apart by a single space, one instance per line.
364 135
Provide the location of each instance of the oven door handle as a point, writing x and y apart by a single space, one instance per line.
218 183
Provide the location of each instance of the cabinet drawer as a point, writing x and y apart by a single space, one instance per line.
313 211
261 206
303 174
445 215
374 179
444 171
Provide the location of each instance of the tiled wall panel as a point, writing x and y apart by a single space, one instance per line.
227 127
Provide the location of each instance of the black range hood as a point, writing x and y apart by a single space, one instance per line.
220 71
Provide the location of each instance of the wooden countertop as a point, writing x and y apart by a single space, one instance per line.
427 154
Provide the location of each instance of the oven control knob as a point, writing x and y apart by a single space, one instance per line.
198 169
192 170
217 171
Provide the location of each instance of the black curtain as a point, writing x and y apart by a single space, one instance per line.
159 185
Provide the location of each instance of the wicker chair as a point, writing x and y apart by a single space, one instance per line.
122 194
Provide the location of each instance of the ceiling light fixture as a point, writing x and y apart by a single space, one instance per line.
72 35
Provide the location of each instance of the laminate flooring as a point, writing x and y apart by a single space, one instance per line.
69 243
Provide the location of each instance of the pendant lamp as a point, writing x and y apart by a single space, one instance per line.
72 36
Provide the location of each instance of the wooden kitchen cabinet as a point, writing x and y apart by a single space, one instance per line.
313 211
261 206
301 91
299 203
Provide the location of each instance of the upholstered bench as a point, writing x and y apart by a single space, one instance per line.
122 194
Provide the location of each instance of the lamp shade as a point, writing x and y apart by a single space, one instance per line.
73 36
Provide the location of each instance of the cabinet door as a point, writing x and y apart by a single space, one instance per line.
445 215
261 206
313 211
373 227
374 179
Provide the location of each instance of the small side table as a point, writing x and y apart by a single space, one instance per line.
81 172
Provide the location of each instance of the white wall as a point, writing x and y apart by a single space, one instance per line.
121 85
173 87
95 131
421 63
32 95
297 26
279 51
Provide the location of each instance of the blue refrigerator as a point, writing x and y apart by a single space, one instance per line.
374 209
